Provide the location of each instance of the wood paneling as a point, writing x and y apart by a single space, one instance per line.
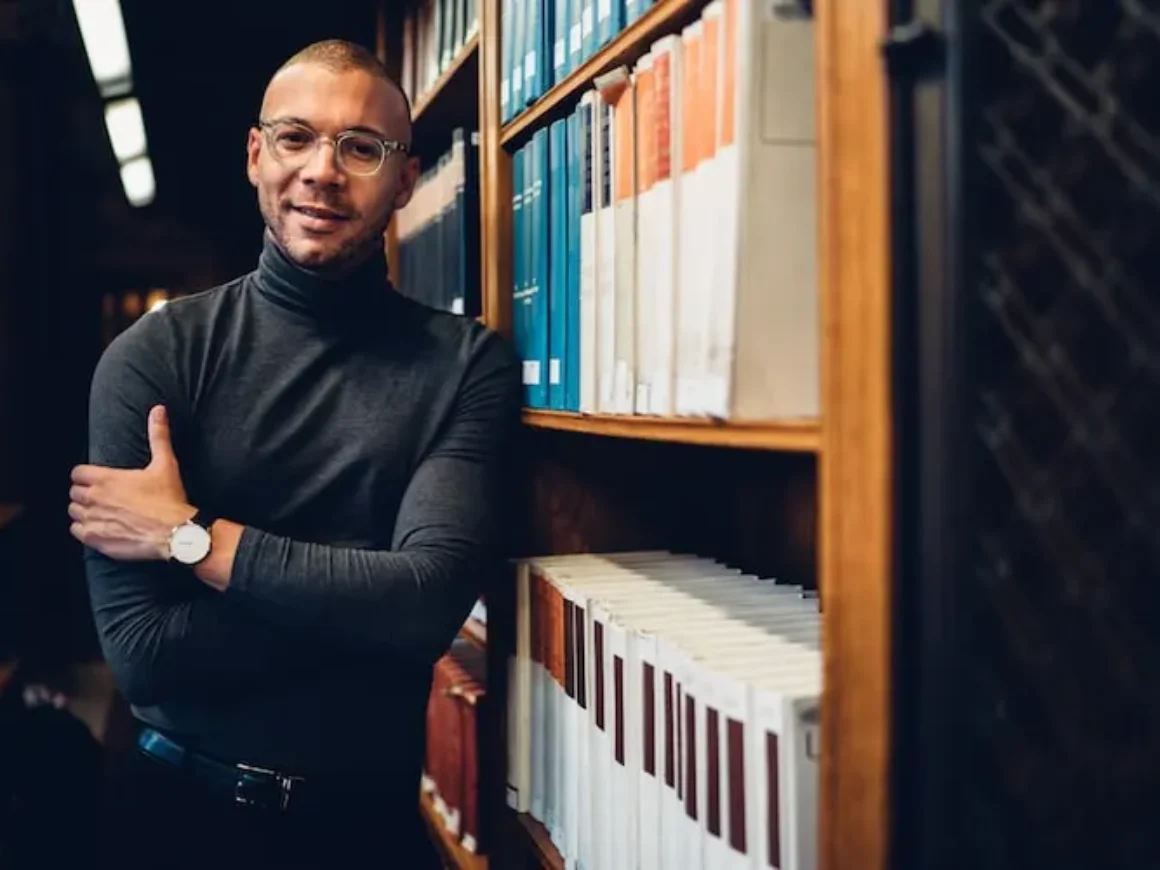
496 179
856 471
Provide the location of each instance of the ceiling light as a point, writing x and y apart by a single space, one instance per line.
103 31
137 179
126 128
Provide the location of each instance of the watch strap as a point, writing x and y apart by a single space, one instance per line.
203 518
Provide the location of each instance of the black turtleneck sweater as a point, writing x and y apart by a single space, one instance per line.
360 438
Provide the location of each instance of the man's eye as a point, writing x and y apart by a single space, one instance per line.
293 140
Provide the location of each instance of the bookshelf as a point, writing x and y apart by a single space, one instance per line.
666 16
458 76
796 436
450 850
808 498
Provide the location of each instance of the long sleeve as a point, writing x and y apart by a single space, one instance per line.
449 535
163 633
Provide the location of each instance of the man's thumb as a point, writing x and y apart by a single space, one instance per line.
160 447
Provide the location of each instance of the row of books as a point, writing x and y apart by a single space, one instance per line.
665 233
663 712
543 41
438 232
434 32
455 716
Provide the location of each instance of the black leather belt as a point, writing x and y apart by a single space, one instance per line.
249 786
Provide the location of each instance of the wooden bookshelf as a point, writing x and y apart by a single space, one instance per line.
794 436
820 487
538 839
667 16
458 73
450 850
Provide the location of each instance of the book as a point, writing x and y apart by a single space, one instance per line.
697 742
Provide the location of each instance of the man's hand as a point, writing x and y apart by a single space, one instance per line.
128 514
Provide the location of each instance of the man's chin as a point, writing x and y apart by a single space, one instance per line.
319 255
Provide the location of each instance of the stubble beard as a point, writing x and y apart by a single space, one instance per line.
348 255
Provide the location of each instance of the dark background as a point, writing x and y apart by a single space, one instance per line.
68 236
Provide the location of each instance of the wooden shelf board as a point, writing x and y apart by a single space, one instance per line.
458 64
632 42
540 842
795 436
449 848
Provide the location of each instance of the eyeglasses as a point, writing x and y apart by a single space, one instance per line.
358 153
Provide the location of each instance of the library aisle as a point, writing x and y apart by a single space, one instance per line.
675 210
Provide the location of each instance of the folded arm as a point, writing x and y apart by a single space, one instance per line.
448 537
163 634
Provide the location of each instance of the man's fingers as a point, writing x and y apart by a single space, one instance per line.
160 446
76 511
87 475
82 495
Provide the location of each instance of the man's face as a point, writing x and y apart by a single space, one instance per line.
323 216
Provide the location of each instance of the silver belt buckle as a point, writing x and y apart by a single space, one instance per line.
285 786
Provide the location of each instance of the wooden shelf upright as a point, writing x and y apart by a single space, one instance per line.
591 494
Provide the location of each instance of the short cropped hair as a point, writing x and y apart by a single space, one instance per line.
339 55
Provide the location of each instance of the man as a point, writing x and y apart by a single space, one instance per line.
294 494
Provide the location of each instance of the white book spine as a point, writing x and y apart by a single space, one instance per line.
669 762
621 800
589 254
651 773
584 728
734 766
693 764
601 746
519 703
606 261
666 198
691 327
539 695
624 199
802 721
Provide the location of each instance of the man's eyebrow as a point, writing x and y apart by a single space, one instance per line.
361 128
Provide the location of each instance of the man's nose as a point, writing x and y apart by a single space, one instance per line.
322 166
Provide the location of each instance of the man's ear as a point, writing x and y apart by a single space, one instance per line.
253 150
408 178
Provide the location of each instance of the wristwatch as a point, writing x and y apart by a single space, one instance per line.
190 542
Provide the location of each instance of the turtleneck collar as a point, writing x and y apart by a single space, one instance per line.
349 297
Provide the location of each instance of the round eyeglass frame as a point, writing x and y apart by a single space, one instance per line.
390 146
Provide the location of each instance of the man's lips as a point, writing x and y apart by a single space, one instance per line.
319 212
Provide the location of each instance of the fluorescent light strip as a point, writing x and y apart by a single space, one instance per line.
126 128
103 31
137 179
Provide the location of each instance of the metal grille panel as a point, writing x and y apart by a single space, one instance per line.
1064 368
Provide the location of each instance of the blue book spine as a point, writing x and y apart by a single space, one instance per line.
533 36
521 304
560 29
519 47
589 29
633 9
604 30
536 262
540 242
557 195
575 34
572 263
507 20
617 23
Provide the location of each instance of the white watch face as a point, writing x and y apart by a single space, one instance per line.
189 543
